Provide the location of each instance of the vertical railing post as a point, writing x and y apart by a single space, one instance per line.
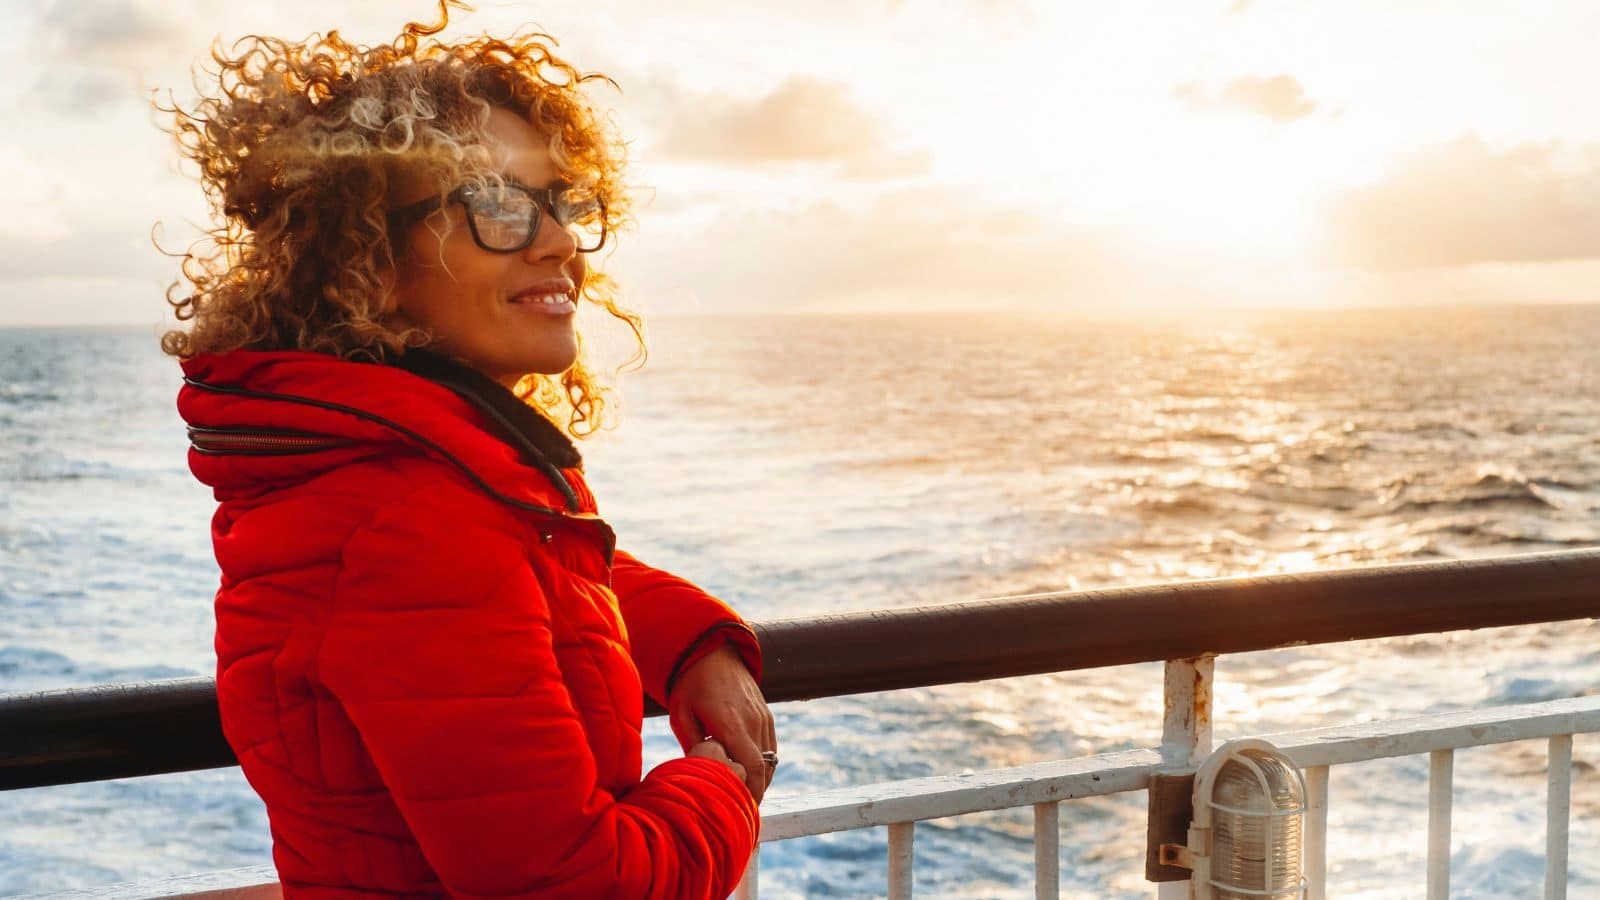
902 837
1185 728
1316 858
1046 850
1557 815
1441 791
1186 720
750 885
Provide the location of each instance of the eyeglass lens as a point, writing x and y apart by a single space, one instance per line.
506 216
585 219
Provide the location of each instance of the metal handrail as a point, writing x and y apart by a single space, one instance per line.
124 730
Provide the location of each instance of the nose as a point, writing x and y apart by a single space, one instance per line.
552 243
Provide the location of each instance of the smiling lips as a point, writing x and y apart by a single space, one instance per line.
549 297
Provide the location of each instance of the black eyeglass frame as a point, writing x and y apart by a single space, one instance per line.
544 200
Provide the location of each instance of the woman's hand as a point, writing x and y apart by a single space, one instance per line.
718 697
711 748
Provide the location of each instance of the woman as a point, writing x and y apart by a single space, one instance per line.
431 658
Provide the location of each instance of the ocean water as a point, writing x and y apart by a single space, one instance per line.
813 464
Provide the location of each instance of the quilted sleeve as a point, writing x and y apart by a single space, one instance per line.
671 623
440 650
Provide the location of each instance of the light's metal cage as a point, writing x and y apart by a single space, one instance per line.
1249 823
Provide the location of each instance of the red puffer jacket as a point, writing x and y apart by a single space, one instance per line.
431 661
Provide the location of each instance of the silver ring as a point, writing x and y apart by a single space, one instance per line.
770 757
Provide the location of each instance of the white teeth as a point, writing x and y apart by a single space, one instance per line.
549 299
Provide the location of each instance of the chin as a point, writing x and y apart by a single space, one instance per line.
558 364
551 366
544 357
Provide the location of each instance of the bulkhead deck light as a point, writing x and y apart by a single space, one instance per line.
1249 819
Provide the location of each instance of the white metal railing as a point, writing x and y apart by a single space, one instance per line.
900 805
1043 786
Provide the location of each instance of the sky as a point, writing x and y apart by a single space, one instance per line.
889 155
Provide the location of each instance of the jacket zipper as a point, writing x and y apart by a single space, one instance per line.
219 441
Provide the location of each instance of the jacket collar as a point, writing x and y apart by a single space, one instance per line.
541 442
432 405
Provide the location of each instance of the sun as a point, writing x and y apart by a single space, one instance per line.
1221 186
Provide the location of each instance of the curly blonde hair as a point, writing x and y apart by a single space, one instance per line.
298 149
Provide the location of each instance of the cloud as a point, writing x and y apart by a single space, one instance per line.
74 91
95 274
909 249
802 120
91 56
935 248
33 195
83 300
112 250
1464 202
121 28
1280 98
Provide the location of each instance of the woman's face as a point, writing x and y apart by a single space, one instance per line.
487 309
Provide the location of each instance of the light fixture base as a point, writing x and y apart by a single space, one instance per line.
1171 797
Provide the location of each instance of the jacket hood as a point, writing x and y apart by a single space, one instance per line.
262 420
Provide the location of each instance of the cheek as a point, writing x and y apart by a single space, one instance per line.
455 268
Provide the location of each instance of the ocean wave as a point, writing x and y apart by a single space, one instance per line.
19 665
24 668
26 394
1536 531
1211 434
1533 689
1338 452
1324 497
1488 489
1434 428
1179 503
1495 872
151 672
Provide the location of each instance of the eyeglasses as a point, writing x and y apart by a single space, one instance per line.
504 218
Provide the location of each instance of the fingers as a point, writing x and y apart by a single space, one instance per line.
743 734
772 737
711 748
747 753
732 709
685 727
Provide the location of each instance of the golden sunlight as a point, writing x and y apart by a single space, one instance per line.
1225 187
